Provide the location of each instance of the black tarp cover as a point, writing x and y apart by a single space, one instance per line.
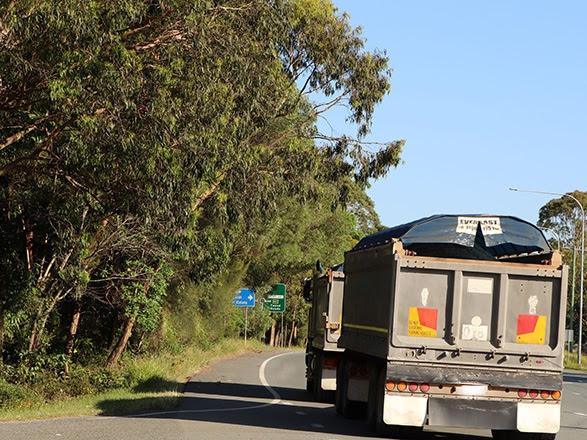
484 237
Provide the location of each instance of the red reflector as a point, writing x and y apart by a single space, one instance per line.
424 387
522 393
545 394
533 394
413 387
330 362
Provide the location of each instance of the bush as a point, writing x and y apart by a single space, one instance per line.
103 379
14 395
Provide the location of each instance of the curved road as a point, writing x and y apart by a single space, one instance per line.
256 396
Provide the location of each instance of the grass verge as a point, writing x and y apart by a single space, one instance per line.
572 361
159 382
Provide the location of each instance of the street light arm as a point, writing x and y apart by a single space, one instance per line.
553 194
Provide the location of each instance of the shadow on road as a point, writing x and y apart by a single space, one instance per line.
245 390
575 377
229 404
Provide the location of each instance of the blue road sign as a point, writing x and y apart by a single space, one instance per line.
244 298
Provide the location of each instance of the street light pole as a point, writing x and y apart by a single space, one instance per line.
579 351
574 280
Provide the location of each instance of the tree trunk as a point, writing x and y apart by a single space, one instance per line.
29 235
272 338
40 323
73 327
121 344
291 334
283 335
2 313
293 326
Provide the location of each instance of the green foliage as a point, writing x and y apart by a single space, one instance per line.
142 296
563 218
14 395
155 156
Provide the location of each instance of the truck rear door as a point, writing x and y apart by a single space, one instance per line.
479 306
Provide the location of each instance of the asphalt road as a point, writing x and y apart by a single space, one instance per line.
257 396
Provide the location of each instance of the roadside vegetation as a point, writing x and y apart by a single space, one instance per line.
561 219
154 157
153 381
572 361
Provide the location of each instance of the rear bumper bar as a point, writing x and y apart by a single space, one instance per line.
499 378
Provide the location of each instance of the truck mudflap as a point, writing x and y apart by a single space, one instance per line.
328 381
404 410
490 414
539 417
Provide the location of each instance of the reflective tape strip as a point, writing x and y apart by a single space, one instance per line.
366 327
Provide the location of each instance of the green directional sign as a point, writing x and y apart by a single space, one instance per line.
275 300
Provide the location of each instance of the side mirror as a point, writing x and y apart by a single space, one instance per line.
307 293
319 267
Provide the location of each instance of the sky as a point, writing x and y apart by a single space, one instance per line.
488 95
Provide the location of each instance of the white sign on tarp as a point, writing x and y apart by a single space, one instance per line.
489 225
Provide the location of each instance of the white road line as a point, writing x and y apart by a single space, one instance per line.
262 378
317 425
580 414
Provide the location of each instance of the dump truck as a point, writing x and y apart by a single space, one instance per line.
454 321
324 293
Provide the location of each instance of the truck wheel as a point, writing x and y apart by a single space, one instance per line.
340 391
309 370
374 397
319 394
517 435
309 385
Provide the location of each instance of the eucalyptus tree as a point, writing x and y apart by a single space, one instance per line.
178 124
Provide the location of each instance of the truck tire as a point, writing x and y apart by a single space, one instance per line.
517 435
319 394
339 387
310 386
381 428
309 371
374 397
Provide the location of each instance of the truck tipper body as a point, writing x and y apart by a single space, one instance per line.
454 321
324 292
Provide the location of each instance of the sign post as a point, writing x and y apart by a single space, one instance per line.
275 302
244 298
569 337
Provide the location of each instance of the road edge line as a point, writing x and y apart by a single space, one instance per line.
262 379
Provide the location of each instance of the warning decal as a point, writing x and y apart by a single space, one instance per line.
422 322
531 329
